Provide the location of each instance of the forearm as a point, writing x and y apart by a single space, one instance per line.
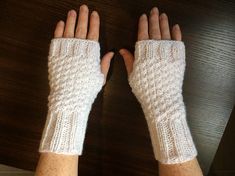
156 80
76 75
183 169
51 164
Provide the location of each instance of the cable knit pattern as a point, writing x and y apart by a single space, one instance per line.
75 79
156 81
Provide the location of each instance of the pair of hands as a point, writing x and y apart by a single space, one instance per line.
156 27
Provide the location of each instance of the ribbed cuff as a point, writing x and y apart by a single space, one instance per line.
159 49
172 141
64 133
73 47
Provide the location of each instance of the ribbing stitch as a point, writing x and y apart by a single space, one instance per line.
75 79
156 81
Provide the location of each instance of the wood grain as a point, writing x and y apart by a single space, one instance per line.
117 140
223 163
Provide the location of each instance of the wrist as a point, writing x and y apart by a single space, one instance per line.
75 79
156 81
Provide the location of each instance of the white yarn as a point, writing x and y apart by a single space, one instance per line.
156 81
75 79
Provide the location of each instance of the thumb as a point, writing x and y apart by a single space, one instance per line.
105 63
128 59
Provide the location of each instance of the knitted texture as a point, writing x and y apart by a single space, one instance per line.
75 79
156 81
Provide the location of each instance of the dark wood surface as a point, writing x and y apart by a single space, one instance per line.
117 140
223 163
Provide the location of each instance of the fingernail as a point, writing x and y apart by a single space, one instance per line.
72 13
143 15
114 50
154 9
121 51
95 13
112 53
61 22
163 15
84 6
176 26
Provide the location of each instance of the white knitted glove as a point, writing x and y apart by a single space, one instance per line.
156 81
75 79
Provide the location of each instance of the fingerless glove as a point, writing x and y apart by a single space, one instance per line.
156 81
75 79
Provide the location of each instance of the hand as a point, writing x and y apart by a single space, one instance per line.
76 76
81 32
156 76
156 28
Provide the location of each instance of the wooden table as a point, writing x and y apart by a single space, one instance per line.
117 140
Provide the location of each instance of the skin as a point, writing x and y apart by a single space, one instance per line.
51 164
156 27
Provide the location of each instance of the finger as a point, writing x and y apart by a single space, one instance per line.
105 63
94 26
70 24
164 27
128 59
59 30
81 29
143 28
176 33
154 28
